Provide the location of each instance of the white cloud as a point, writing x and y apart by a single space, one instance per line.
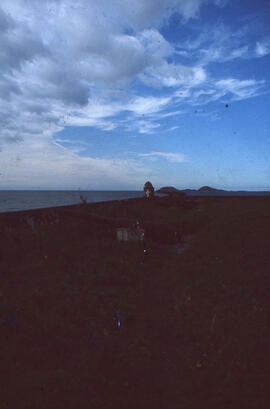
171 157
173 128
140 126
241 89
220 44
58 57
169 114
173 75
147 105
61 57
239 52
42 162
212 90
262 48
66 63
147 126
223 54
143 114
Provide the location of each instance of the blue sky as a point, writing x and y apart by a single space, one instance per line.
106 95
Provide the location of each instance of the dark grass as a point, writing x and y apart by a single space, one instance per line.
194 326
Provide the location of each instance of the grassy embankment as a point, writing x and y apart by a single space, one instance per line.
194 326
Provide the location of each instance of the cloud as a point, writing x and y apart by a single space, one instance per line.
147 105
18 43
214 90
262 48
146 126
171 157
166 74
223 54
62 63
173 128
169 114
101 64
42 162
142 114
223 44
58 57
5 22
240 89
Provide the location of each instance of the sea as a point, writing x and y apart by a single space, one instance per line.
15 200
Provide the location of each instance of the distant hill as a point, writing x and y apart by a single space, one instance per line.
210 191
170 190
173 195
207 189
173 190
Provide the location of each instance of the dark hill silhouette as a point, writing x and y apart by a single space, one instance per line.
168 190
210 191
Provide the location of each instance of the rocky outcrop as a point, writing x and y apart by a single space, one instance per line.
148 190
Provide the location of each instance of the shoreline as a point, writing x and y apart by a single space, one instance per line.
67 207
27 212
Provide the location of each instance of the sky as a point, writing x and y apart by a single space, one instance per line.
107 94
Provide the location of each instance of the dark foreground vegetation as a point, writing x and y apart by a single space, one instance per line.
194 321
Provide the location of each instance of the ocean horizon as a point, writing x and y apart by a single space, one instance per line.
16 200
